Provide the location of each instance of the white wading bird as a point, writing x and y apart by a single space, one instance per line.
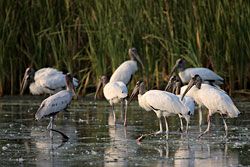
44 81
186 74
127 69
56 103
114 92
215 100
161 102
174 86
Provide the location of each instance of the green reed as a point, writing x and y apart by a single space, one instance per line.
91 38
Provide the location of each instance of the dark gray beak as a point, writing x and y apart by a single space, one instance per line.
134 93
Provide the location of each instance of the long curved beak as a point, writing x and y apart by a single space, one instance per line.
169 86
139 60
98 89
24 84
190 85
173 70
133 94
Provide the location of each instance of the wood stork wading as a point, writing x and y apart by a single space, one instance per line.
186 74
114 92
56 103
44 81
161 102
215 100
174 86
127 69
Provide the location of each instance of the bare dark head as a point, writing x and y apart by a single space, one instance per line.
179 66
138 89
134 56
103 80
171 83
27 79
195 81
69 83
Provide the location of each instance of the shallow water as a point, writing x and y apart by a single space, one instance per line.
94 141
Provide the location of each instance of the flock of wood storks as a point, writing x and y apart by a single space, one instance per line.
186 87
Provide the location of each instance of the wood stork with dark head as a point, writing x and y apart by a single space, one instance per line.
174 86
186 74
215 100
56 103
44 81
114 92
127 69
161 102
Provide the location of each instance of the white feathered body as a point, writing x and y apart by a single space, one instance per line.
49 81
214 99
124 72
162 103
54 104
114 92
205 73
188 102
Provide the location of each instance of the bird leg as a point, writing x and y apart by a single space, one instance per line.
181 128
50 126
166 124
208 125
225 125
122 107
200 115
125 114
113 110
139 139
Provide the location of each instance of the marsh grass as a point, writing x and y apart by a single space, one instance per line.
91 38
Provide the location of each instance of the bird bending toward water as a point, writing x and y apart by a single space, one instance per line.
44 81
215 100
174 86
161 102
127 69
56 103
114 92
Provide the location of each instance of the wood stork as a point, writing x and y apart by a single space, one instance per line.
44 81
127 69
56 103
161 102
215 100
114 92
173 86
186 74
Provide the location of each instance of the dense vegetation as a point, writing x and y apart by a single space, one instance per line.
91 37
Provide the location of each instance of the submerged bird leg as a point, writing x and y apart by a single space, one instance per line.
50 126
200 115
208 125
225 125
125 114
181 128
113 111
166 124
122 108
160 131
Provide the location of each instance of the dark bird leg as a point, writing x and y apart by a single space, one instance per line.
125 114
208 125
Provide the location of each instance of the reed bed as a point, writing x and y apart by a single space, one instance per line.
91 38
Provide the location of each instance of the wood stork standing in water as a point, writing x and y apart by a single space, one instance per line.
114 92
127 69
161 102
186 74
174 86
215 100
56 103
44 81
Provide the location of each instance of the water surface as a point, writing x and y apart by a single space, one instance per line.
95 141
